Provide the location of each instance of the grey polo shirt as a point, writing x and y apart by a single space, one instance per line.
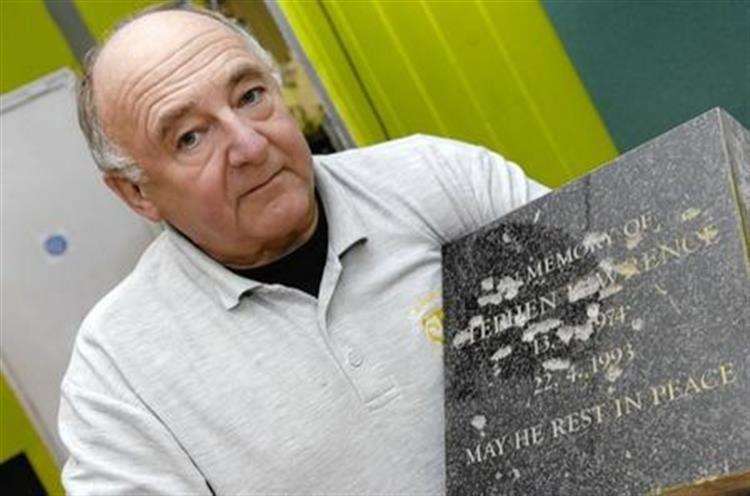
187 372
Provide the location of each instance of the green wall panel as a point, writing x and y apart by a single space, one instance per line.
652 65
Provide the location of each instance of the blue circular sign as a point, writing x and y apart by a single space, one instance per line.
56 244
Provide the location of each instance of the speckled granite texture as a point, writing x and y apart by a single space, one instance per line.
597 339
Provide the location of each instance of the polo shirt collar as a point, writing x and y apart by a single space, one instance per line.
223 284
345 229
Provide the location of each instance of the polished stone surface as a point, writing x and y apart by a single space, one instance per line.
597 339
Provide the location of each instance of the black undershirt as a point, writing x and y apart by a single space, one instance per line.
303 268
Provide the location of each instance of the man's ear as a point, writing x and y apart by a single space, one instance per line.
132 194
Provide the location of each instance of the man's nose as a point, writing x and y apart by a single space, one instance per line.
247 146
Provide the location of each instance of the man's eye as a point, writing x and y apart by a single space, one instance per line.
252 96
187 140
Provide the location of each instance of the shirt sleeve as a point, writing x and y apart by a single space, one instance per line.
116 445
479 185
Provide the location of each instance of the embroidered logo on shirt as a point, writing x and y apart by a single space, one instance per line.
427 317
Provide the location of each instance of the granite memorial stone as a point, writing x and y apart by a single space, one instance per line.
597 340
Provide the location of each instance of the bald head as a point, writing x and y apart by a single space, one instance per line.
149 40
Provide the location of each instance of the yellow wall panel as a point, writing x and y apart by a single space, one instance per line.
313 29
487 72
31 45
18 435
101 15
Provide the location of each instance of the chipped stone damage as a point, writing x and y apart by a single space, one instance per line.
479 422
609 291
583 288
627 269
593 240
581 332
505 290
607 265
501 353
708 234
690 214
565 334
540 328
608 279
592 311
632 241
556 364
462 337
612 373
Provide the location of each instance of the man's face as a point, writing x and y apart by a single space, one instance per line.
225 162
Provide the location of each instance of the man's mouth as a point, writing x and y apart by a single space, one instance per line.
264 183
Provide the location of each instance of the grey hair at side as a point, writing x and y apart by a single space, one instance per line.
107 155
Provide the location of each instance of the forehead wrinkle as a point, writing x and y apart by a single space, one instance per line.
171 116
130 87
243 70
181 80
179 74
234 74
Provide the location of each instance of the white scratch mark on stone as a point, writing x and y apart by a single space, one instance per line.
583 288
536 216
664 292
521 319
637 324
607 265
690 214
461 338
565 334
507 238
592 240
634 240
508 287
556 364
609 291
478 422
501 353
580 332
613 373
708 234
584 332
539 328
490 299
592 310
627 269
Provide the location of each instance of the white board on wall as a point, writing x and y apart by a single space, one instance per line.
66 241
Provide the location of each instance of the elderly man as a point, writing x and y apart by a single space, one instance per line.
280 335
